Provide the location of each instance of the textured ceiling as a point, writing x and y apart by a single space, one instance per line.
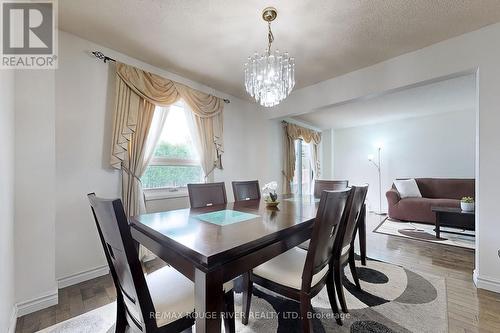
208 41
457 94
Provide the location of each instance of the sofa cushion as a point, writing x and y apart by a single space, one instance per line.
407 188
420 209
438 188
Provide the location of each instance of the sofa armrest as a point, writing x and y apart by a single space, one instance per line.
392 197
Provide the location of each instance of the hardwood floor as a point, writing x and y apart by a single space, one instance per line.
469 309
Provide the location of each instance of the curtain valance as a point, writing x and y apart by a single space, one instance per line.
164 92
296 132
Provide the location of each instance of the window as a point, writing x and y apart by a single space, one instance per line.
303 178
175 162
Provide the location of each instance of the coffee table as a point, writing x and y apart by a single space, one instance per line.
454 218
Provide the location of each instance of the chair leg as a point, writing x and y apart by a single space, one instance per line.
247 297
229 315
338 273
330 286
352 266
121 317
306 312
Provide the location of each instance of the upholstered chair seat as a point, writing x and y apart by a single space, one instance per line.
286 269
172 294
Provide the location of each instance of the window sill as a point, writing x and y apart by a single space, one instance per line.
165 193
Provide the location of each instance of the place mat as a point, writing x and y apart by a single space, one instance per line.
226 217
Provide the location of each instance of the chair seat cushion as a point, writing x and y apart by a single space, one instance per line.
304 246
286 269
172 294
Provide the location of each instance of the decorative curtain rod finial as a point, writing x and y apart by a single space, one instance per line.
101 56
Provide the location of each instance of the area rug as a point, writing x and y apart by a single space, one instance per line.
425 232
393 299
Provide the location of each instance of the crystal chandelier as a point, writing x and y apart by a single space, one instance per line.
270 77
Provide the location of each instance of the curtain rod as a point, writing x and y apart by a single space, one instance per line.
101 56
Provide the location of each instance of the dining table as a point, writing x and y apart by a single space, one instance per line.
216 244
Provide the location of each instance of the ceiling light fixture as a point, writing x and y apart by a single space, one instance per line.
269 77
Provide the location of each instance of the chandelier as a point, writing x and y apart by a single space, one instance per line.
269 77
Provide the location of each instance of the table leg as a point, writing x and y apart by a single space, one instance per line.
362 234
438 231
209 301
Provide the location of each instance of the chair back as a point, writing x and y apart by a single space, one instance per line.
123 260
321 185
331 211
203 195
347 229
246 190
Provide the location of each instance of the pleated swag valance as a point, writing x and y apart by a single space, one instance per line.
137 94
291 133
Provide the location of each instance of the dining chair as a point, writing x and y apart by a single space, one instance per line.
321 185
162 301
301 275
343 250
246 190
203 195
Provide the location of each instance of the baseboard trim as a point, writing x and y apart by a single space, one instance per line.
13 320
39 303
82 276
486 283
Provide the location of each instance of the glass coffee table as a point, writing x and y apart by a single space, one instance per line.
454 218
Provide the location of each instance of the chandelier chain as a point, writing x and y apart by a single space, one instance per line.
270 37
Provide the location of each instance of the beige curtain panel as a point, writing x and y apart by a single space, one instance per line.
292 132
137 94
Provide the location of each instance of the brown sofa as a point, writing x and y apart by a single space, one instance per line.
435 192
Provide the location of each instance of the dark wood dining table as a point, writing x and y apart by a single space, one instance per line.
210 254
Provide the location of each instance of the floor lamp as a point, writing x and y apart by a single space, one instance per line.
378 165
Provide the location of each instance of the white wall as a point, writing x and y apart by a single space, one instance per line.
474 52
441 145
84 106
327 157
35 188
7 295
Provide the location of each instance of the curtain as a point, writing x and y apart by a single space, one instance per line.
137 93
292 132
208 145
133 164
159 117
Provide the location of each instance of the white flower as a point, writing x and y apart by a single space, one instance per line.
272 186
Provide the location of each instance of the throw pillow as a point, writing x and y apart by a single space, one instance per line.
407 188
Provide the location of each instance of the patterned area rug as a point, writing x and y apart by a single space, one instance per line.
393 299
425 232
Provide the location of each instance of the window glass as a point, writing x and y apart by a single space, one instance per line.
175 162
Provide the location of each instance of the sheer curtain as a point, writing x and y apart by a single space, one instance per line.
159 117
206 149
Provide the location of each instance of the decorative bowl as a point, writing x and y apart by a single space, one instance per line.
467 206
272 203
